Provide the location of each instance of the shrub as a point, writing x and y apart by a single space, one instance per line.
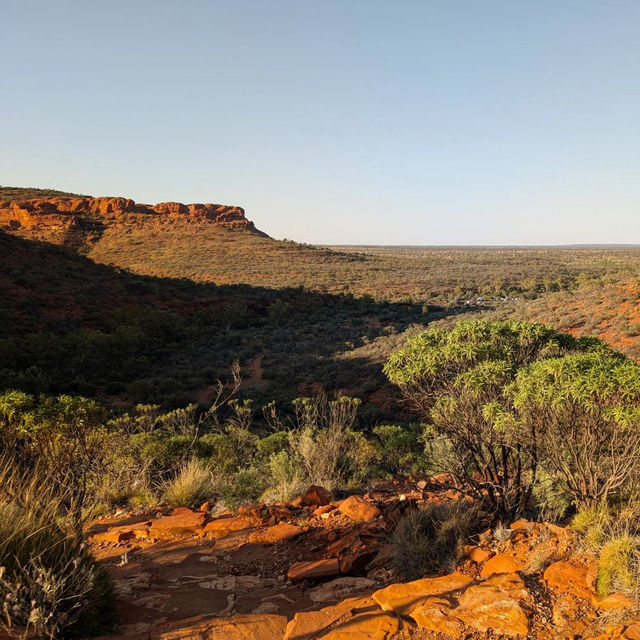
551 498
619 568
50 586
321 442
401 448
429 541
191 486
285 478
243 487
456 380
585 410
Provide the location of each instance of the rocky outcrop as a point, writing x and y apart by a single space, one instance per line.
60 219
293 572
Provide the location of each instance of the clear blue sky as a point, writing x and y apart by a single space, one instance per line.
359 121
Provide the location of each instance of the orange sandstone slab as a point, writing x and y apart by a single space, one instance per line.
352 619
501 563
240 627
222 527
299 571
500 603
183 521
117 535
576 580
280 532
435 615
403 598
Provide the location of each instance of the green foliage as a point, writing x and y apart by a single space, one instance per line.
400 450
243 487
458 380
618 568
585 409
191 485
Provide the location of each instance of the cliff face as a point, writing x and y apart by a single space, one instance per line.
65 211
82 220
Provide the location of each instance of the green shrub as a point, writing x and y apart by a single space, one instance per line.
285 478
551 499
456 380
50 585
619 569
272 444
191 486
243 487
402 449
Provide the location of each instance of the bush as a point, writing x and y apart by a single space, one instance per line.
551 498
285 478
321 442
430 541
613 533
191 486
402 449
243 487
585 410
50 586
456 381
619 568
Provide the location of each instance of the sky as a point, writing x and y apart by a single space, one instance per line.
340 122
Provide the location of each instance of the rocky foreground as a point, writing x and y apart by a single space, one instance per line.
316 568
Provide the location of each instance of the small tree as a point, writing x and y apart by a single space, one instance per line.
456 380
586 410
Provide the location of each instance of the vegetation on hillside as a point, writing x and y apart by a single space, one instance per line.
12 194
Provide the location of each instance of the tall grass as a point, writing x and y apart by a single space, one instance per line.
50 585
191 486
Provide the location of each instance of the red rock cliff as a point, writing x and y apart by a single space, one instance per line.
66 213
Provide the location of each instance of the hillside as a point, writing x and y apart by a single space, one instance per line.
16 194
178 292
70 325
80 222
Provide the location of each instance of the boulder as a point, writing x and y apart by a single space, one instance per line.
315 496
313 569
358 509
477 554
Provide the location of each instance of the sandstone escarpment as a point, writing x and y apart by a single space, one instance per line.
80 221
